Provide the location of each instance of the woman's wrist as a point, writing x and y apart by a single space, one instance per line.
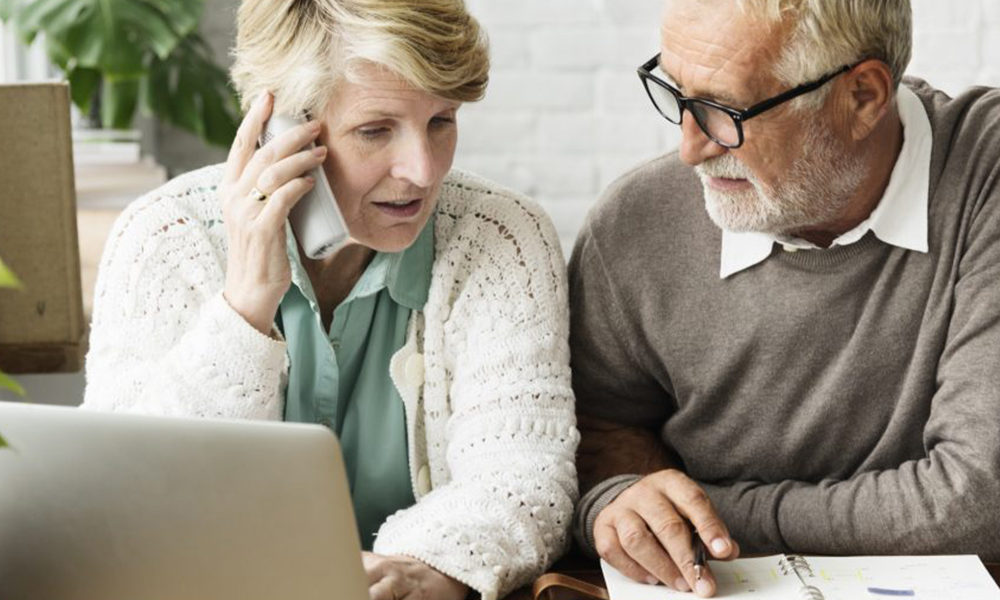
261 320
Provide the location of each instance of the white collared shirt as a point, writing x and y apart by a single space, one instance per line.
899 219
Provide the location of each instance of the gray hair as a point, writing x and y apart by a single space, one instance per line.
826 34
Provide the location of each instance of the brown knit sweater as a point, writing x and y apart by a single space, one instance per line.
840 401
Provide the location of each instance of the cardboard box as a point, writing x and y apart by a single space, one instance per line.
42 327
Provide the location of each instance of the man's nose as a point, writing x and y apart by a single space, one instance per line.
696 146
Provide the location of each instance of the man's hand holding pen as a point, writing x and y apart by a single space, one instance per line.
700 557
651 533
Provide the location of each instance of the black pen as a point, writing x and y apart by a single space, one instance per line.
699 553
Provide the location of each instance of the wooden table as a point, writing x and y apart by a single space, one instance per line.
588 570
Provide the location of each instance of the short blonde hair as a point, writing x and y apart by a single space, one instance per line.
826 34
300 49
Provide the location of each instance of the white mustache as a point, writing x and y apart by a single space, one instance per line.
724 167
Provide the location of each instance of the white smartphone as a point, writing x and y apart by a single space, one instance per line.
316 219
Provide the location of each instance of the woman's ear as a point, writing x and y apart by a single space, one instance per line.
870 93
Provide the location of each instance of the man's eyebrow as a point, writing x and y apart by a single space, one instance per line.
722 98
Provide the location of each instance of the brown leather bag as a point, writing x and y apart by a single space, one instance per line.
555 586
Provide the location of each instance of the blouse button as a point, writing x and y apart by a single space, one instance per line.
415 370
424 480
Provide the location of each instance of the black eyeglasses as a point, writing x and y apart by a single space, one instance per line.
722 124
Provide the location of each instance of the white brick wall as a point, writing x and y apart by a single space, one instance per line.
565 113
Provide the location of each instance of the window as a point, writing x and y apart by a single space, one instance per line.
19 63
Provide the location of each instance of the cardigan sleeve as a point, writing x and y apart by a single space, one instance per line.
163 339
502 516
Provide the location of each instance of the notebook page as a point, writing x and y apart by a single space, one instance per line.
903 577
755 578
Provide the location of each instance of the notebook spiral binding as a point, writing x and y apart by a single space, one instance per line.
793 564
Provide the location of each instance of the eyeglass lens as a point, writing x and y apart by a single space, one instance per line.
664 101
716 123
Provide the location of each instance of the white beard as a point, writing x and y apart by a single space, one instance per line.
815 191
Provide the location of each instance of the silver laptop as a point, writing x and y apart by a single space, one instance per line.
110 506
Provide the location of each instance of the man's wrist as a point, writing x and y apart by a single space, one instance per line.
591 505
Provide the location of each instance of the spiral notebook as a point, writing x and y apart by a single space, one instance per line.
796 577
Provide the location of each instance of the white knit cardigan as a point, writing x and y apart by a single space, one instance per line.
484 374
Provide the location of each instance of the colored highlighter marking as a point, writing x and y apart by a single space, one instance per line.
890 592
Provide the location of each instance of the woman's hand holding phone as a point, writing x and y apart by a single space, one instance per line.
257 269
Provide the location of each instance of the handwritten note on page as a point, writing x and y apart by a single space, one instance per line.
836 578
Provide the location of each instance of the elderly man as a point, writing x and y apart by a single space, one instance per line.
812 364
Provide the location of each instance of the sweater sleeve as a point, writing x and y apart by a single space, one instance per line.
504 514
163 339
608 378
944 502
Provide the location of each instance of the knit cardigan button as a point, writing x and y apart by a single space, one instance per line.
423 480
414 370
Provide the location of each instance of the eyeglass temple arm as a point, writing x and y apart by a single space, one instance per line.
647 67
756 109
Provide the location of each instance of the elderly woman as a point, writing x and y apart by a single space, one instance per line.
434 343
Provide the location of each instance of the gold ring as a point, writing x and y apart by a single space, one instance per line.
257 195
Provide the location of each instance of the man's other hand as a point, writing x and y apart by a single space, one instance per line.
645 532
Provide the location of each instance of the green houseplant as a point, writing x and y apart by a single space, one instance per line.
8 280
119 55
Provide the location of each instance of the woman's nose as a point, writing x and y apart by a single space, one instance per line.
415 162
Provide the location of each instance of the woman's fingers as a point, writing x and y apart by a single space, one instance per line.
257 269
247 134
283 146
275 185
384 590
287 169
385 580
281 202
374 566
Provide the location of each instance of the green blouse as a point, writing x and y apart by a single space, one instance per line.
340 377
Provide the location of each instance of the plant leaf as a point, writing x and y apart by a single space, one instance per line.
58 54
184 14
220 128
8 279
114 36
154 89
83 83
8 383
193 93
7 8
147 52
119 97
48 16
